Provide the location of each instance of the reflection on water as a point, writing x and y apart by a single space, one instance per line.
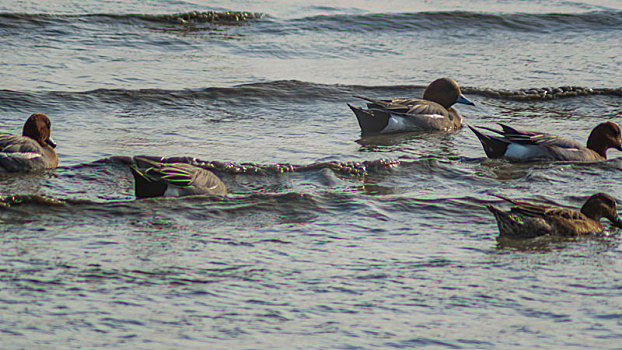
414 143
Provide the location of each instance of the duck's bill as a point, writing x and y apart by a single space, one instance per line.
51 142
464 100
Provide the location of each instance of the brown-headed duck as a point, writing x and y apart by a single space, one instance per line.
518 146
529 220
32 151
433 112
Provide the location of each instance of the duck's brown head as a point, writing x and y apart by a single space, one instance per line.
446 92
604 136
38 127
602 205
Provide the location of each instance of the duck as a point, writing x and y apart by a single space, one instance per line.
522 146
433 112
529 220
154 178
33 151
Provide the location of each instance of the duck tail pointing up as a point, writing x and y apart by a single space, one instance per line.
370 121
494 210
495 147
143 187
504 198
507 225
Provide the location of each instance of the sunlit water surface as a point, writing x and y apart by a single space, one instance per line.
327 239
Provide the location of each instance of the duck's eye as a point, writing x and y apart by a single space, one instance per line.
609 202
606 200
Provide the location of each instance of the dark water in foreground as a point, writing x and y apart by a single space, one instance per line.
327 240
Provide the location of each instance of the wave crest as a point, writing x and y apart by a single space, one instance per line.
463 20
212 17
291 91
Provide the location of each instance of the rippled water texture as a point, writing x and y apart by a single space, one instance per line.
515 45
327 239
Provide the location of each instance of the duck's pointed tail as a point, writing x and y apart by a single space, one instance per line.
144 187
495 147
508 227
370 121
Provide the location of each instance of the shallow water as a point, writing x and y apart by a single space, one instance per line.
327 239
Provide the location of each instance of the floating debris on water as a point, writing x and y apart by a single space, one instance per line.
545 93
9 201
210 17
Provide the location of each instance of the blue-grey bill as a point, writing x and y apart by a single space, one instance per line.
51 142
462 99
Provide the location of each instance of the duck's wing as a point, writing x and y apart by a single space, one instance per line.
531 220
546 211
536 138
530 209
563 221
177 178
173 174
565 213
10 143
516 225
396 105
407 106
19 153
200 181
527 208
424 107
570 222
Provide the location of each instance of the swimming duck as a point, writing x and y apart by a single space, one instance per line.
153 178
518 145
32 151
528 220
432 112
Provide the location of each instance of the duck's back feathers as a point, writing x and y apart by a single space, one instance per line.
433 112
399 115
517 145
537 138
527 220
407 106
510 224
173 179
21 153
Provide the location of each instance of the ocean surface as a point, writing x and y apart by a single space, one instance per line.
327 240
